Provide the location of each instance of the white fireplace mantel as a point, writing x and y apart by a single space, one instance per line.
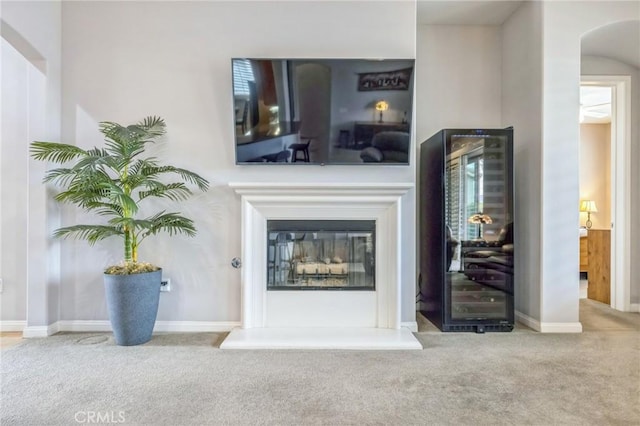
290 313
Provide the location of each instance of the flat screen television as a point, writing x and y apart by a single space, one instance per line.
322 111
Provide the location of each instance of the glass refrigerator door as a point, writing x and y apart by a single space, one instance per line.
479 227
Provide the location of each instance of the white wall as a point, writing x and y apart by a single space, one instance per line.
592 65
38 25
541 79
522 108
458 75
34 29
13 197
538 83
541 58
126 60
595 172
457 79
564 24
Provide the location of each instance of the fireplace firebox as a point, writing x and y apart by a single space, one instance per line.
321 255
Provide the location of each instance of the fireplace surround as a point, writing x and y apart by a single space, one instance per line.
318 318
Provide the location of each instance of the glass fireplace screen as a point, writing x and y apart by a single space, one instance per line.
320 255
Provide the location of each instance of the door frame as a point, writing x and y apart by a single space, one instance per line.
620 185
320 119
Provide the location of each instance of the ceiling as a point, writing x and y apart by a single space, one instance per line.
595 104
455 12
619 41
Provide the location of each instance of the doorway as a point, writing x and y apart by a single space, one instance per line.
313 81
605 107
22 197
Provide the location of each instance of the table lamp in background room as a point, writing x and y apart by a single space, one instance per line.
381 106
588 206
480 219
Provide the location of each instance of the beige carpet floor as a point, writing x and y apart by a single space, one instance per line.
518 378
596 316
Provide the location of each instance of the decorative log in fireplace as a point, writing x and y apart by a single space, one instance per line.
321 255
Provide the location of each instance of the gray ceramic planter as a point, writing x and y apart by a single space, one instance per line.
132 302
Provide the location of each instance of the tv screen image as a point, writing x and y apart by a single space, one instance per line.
322 111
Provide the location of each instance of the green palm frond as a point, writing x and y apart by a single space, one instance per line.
116 132
134 181
172 223
60 176
173 191
188 176
97 154
129 141
121 222
140 164
139 225
153 126
83 191
85 183
138 181
96 159
55 152
107 181
105 209
91 233
121 141
127 203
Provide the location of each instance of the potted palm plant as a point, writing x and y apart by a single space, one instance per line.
112 182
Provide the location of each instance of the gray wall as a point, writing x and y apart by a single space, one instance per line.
31 93
522 109
564 25
126 60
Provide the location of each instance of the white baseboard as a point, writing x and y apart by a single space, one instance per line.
584 289
35 331
560 327
195 326
634 307
94 326
548 327
411 325
90 326
85 326
527 320
12 325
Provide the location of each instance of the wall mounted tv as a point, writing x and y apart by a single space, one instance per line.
322 111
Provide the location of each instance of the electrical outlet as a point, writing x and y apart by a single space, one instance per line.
165 285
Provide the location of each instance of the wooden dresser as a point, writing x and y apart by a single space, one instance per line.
599 264
584 254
